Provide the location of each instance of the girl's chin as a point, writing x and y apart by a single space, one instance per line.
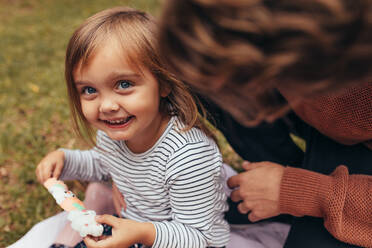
118 137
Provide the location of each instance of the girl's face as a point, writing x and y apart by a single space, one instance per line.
121 101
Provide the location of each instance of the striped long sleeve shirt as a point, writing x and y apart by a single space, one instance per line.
177 184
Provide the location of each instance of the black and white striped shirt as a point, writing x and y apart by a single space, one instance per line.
177 184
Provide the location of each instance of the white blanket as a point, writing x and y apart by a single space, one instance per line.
258 235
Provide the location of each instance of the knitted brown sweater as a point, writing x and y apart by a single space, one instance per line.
343 200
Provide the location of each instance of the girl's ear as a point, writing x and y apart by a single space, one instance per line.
165 90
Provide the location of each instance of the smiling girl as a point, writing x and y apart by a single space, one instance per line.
150 140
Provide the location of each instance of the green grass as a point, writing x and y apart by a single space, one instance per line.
34 113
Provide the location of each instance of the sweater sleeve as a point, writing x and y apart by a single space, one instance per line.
344 201
87 165
83 165
197 200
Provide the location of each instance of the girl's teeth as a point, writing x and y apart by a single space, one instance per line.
122 121
116 122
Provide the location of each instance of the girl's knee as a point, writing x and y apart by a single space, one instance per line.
97 188
97 196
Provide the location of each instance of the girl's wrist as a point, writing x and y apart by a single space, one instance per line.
148 233
61 151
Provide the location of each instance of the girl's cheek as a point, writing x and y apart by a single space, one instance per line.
89 111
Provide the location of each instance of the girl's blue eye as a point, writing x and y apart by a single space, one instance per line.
89 90
124 84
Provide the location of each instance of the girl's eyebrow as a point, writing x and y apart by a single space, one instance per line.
114 76
81 83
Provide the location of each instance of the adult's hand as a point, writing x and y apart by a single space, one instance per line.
258 188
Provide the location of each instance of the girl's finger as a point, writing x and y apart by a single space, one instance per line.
90 243
118 197
117 205
58 169
108 219
38 174
47 172
102 242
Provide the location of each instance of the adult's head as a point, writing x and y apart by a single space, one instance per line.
240 52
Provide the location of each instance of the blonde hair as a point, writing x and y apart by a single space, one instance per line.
240 52
135 30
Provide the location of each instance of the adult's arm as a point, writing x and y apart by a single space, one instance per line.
344 201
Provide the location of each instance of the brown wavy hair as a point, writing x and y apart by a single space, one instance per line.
135 30
240 52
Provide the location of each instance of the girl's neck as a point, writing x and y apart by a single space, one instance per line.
144 143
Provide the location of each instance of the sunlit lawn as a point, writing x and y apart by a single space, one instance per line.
34 114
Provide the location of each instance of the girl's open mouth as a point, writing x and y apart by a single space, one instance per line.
119 123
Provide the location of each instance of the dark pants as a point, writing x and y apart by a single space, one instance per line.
271 142
308 232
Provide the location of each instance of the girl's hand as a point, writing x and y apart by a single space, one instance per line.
259 188
124 233
118 200
50 166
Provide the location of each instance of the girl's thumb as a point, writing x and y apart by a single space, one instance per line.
107 219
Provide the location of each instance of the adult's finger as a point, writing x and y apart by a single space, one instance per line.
243 208
250 166
253 217
236 195
233 181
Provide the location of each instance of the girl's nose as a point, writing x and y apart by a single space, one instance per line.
108 106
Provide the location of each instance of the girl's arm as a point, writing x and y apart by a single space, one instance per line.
125 233
198 202
344 201
50 166
83 165
87 165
